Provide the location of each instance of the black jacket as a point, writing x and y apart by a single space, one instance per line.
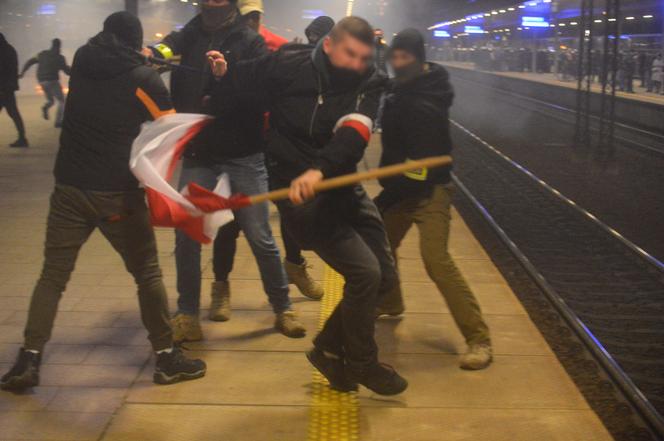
8 67
238 123
416 125
111 93
306 100
50 63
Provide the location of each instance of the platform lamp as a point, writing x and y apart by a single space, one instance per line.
132 6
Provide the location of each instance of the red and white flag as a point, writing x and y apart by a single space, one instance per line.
154 158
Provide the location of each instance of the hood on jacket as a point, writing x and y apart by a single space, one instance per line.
3 40
126 27
105 57
433 83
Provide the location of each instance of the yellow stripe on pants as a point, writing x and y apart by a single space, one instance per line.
333 416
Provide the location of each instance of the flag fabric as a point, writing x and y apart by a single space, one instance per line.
154 157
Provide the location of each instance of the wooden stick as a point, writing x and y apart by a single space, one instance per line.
356 178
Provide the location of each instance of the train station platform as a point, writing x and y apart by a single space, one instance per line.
640 94
96 377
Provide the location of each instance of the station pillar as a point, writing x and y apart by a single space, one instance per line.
132 6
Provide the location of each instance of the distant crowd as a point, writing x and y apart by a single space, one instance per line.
644 67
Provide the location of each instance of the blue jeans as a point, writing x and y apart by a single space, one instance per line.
247 175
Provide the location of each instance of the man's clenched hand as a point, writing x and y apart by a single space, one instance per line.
302 188
218 63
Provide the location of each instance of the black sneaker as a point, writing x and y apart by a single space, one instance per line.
24 374
382 379
45 112
173 367
333 369
19 143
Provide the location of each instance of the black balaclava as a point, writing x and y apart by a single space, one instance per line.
318 29
126 27
56 44
411 41
217 17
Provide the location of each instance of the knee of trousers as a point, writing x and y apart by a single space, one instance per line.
184 243
147 276
55 278
362 282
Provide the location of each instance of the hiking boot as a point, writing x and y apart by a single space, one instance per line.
20 143
24 374
382 379
288 324
220 306
186 328
299 276
478 356
45 112
333 369
173 367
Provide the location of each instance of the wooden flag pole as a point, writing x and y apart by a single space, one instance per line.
356 178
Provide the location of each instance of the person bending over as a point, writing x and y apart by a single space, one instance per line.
422 91
112 94
49 64
8 88
321 102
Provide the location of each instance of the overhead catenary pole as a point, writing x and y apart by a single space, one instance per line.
132 6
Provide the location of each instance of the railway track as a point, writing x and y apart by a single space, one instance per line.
608 291
625 135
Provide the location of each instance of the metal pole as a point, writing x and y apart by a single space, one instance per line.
132 6
554 16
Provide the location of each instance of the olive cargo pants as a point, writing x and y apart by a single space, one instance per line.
432 217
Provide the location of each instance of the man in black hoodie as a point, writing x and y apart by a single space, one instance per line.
322 101
232 144
8 88
416 126
49 64
112 93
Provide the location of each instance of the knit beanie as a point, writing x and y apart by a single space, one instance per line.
411 41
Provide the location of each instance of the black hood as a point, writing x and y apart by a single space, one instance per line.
105 57
3 41
433 84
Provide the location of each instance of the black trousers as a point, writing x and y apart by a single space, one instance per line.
347 232
8 102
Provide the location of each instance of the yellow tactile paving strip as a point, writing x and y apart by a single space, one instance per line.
333 416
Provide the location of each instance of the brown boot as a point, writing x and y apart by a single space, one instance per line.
287 323
186 328
300 277
220 306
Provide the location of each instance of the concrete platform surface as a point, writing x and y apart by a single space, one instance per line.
641 94
96 378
